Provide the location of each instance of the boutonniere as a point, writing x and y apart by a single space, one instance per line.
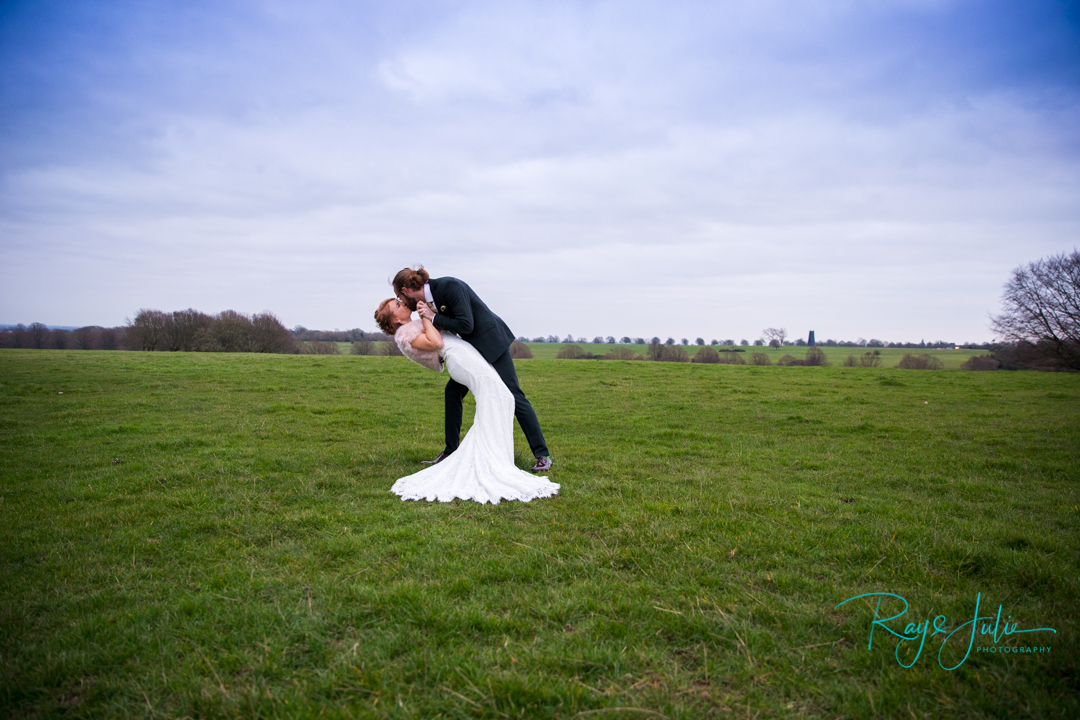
442 308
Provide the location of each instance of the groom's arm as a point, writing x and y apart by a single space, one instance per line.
456 301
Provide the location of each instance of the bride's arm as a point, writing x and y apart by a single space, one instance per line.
430 340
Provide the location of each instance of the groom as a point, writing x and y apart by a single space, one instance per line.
452 306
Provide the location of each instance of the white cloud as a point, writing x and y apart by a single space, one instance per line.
710 170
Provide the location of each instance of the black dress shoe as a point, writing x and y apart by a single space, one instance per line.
436 461
543 464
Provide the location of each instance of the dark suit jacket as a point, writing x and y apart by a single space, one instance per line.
459 310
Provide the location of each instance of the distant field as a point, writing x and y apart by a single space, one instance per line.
209 535
953 359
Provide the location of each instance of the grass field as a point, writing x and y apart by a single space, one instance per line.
211 535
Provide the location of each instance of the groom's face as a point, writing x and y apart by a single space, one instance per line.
409 296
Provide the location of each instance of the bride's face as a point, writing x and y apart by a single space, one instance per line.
401 311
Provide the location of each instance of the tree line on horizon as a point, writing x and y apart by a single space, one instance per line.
40 337
187 331
815 357
231 331
1039 325
774 342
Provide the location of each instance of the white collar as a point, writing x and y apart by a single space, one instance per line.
427 294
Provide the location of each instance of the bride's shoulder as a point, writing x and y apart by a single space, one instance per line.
408 332
406 335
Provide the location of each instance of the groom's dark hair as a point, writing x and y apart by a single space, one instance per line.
410 278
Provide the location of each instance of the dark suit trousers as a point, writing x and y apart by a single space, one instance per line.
523 410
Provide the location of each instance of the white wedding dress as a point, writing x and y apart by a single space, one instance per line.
482 468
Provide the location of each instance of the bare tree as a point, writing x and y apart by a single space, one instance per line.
39 335
182 327
674 353
1042 308
59 339
268 335
111 338
707 354
318 347
232 331
147 330
363 346
84 337
774 334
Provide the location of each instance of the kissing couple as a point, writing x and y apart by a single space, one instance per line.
456 330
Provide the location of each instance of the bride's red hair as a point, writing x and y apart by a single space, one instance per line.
384 317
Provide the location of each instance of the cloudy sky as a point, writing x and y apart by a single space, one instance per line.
862 169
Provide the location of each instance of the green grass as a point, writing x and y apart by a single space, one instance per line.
212 535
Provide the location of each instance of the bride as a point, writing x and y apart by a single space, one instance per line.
482 468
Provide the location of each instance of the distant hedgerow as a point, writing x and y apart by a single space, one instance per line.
520 351
620 353
674 353
730 358
707 354
815 357
920 362
868 359
981 362
318 347
571 352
